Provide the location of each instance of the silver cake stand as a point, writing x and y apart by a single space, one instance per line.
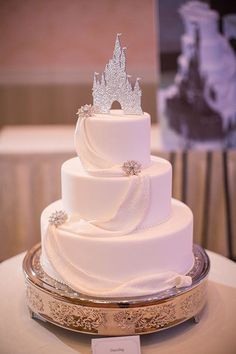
55 302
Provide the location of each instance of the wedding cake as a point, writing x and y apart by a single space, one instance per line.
116 231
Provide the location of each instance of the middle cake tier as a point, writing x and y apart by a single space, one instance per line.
96 198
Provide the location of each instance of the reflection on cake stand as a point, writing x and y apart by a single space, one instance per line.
51 301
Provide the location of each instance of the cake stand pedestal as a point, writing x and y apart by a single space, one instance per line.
54 302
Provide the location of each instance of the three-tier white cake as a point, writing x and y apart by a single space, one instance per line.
116 231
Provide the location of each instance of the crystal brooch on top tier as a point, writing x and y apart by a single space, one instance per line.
86 111
58 218
114 85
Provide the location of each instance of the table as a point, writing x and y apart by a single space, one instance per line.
215 334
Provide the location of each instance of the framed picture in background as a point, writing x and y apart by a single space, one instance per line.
197 96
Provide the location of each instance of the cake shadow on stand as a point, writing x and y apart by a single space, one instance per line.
116 254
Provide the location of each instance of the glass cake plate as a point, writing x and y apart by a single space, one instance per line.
52 301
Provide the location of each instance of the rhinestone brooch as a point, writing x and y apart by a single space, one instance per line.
86 111
131 167
58 218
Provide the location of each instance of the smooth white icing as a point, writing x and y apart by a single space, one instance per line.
98 197
142 262
105 140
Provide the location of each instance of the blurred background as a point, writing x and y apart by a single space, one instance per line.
50 50
171 27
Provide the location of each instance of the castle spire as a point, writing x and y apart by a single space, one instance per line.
123 59
117 48
137 86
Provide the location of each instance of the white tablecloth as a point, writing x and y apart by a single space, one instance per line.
215 334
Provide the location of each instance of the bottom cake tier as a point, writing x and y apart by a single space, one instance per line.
145 262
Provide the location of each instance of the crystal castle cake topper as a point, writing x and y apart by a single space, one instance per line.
114 85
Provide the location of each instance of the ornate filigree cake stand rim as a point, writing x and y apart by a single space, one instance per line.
35 274
52 301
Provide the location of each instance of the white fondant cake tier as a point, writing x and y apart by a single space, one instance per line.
104 140
97 197
140 263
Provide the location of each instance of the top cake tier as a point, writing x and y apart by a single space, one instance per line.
105 140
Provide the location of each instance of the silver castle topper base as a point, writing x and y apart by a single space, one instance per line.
114 85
